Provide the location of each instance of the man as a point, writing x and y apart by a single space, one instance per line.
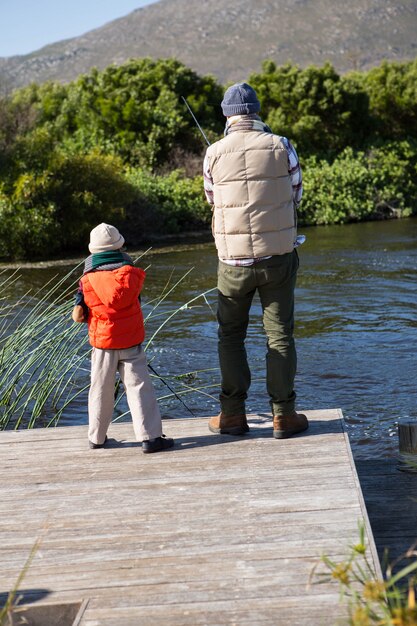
253 181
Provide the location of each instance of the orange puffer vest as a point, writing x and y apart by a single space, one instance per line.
115 319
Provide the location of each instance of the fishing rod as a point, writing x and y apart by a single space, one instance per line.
171 389
196 121
119 382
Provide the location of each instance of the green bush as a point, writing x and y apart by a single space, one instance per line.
54 211
17 119
392 92
119 145
314 107
26 232
358 186
176 203
134 110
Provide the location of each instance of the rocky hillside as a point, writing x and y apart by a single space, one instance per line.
231 39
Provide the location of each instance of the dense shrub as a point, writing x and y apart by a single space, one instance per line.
26 232
134 110
55 210
120 145
17 119
357 185
177 204
314 107
392 91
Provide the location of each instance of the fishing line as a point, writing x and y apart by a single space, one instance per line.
196 121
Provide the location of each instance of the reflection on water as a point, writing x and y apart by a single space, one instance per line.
356 329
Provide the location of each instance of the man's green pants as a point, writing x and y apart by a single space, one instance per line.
275 280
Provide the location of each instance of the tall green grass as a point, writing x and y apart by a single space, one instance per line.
40 353
44 355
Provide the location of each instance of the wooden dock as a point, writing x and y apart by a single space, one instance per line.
216 531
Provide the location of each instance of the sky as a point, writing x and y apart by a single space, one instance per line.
27 25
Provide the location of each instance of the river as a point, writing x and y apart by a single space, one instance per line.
356 330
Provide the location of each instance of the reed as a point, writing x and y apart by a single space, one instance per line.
44 356
39 352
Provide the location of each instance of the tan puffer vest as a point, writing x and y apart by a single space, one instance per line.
254 212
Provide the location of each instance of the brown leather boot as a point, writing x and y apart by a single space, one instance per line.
229 424
288 425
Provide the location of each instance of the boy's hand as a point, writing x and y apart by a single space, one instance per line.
78 314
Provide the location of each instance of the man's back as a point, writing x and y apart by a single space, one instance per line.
253 198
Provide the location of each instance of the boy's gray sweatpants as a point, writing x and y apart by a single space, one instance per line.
141 397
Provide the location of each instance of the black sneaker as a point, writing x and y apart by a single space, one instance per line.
94 446
156 445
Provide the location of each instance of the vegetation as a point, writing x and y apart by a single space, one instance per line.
120 146
319 110
359 185
45 359
13 599
371 601
40 355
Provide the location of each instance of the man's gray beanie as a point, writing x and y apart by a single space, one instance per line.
240 99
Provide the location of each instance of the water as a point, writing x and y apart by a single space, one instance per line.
356 330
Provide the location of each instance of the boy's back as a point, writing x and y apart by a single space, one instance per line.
115 317
108 300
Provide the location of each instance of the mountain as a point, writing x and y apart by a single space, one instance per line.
231 39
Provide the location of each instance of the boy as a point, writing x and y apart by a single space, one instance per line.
108 300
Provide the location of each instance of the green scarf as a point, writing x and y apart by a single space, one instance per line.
112 257
104 258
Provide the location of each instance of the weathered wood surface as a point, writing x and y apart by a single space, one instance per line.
219 530
407 443
407 436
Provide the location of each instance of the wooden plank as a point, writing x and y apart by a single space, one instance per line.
219 530
232 610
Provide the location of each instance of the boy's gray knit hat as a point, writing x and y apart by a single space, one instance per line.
240 99
105 237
